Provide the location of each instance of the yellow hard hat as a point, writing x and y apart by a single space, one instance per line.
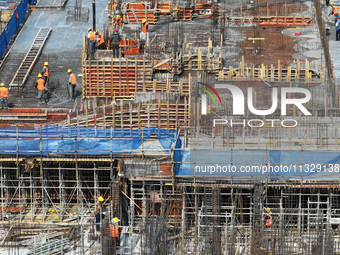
46 63
115 219
144 20
332 3
118 17
100 199
69 71
39 75
89 29
2 84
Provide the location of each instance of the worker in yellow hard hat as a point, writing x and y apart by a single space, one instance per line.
334 11
46 73
119 23
144 35
114 228
3 96
41 88
72 82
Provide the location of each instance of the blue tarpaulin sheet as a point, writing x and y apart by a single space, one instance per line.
84 140
13 24
272 164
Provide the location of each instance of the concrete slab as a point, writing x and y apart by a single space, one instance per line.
62 50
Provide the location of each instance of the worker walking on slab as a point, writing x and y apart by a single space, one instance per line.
144 35
119 24
115 38
3 96
334 11
92 40
41 88
100 40
72 82
46 73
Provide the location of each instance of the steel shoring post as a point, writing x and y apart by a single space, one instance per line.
61 192
43 179
31 195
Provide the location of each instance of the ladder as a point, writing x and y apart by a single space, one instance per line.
30 59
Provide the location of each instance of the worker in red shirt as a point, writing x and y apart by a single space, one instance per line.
3 96
72 81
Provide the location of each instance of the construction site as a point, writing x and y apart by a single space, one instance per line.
214 130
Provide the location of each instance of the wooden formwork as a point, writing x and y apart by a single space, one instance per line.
136 12
275 21
122 78
169 114
273 73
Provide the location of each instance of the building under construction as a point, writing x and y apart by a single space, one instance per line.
217 133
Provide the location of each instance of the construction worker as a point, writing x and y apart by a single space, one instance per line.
45 72
145 30
268 217
3 96
334 11
72 82
119 24
144 35
115 38
114 229
41 87
92 39
100 40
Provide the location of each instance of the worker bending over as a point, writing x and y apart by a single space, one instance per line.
115 38
3 96
334 11
119 24
100 40
46 73
72 82
41 88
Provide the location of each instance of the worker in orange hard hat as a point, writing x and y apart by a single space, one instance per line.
46 73
3 96
334 11
115 38
41 88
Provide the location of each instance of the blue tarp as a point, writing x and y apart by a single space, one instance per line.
85 140
273 164
13 24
